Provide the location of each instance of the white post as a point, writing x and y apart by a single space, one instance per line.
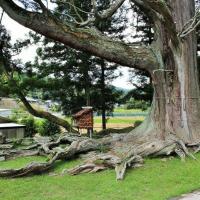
90 131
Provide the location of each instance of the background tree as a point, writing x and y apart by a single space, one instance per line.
12 79
79 78
141 79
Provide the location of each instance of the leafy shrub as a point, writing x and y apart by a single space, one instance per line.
22 117
30 129
34 125
48 128
18 114
55 108
137 104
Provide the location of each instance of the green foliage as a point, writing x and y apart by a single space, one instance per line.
70 77
137 104
120 120
48 128
22 117
55 108
30 129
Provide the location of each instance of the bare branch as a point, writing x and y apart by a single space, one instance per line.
43 114
1 18
42 6
95 15
111 10
66 2
94 5
76 11
104 14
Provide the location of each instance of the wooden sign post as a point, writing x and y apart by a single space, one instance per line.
84 120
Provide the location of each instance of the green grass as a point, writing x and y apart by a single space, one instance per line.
157 180
123 110
119 120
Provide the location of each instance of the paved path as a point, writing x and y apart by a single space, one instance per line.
192 196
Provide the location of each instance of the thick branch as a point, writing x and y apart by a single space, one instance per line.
84 39
44 114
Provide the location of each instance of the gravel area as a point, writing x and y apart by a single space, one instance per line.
191 196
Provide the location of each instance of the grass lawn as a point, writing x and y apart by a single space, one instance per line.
119 120
123 110
157 180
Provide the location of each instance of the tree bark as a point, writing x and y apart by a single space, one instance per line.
175 107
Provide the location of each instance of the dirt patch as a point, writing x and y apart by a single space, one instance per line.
98 126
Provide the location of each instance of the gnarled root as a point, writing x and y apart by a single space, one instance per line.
121 154
132 162
59 154
104 161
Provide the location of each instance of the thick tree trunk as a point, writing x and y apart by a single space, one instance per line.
175 107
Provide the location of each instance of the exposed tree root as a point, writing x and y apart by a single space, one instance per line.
12 154
120 153
67 153
103 161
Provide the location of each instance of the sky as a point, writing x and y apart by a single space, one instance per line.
19 32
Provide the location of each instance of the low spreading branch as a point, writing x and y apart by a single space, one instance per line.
44 114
